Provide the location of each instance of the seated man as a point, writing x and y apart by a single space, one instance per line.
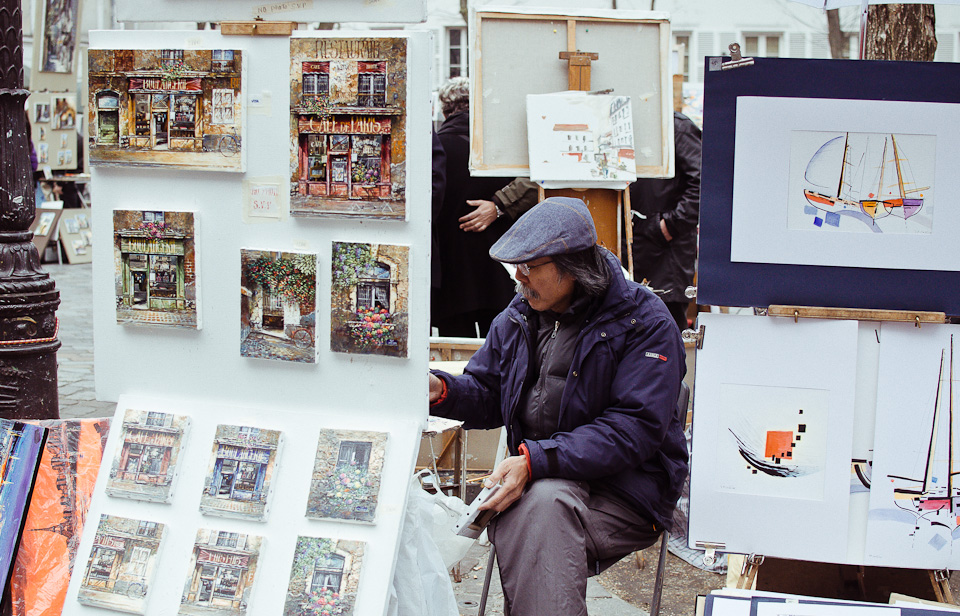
584 369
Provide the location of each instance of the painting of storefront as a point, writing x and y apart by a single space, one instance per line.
222 571
122 562
346 475
239 478
278 305
155 268
348 127
166 107
369 299
146 466
324 577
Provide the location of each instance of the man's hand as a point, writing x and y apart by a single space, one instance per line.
436 387
663 229
513 474
480 218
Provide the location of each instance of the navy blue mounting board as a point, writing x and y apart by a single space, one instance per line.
723 282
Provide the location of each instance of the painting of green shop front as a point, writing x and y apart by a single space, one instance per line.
155 268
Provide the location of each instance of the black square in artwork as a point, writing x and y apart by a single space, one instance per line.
801 411
754 471
797 439
802 428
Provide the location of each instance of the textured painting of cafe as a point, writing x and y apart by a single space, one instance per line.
167 107
348 134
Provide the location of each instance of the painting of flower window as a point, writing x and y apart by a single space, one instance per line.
324 577
122 563
369 299
166 108
146 466
223 567
156 275
240 475
278 305
346 475
348 127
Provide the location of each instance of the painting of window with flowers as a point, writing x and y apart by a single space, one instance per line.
346 475
278 305
369 299
324 577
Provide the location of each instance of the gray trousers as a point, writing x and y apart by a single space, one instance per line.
556 536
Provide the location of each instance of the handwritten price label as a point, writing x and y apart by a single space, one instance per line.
265 200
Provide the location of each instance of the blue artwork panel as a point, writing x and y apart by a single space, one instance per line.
21 446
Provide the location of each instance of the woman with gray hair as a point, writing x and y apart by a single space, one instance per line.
471 288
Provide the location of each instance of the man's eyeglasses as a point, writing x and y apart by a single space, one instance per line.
524 269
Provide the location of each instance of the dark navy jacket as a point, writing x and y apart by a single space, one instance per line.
619 429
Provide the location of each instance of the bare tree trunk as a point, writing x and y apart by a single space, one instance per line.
901 32
835 35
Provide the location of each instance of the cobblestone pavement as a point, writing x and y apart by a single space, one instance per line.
75 357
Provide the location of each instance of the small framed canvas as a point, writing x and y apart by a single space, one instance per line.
346 475
146 465
240 474
122 564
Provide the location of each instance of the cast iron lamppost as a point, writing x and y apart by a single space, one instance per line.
28 296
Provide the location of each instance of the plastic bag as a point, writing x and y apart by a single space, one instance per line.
446 511
421 584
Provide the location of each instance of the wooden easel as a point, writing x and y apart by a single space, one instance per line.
604 204
750 564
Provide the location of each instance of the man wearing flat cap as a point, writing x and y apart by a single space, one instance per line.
584 369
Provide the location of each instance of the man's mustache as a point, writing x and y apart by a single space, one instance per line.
526 291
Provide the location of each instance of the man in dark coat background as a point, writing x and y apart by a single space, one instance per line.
665 239
471 288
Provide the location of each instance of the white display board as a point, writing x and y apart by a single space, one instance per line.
898 384
286 521
204 366
790 389
327 11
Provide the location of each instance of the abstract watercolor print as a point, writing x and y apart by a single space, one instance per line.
773 441
861 182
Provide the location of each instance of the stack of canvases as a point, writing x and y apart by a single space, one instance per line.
58 506
148 457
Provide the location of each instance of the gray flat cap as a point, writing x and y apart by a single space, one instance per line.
555 226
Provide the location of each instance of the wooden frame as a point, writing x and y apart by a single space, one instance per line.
76 238
50 217
515 52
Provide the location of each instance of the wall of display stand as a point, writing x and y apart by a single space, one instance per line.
213 304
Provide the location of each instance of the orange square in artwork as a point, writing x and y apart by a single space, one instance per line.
779 444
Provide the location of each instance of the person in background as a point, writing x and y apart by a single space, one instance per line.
665 233
583 368
470 289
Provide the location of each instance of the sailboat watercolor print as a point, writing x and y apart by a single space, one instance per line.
914 518
859 182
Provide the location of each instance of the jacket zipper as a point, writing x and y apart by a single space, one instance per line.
513 403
